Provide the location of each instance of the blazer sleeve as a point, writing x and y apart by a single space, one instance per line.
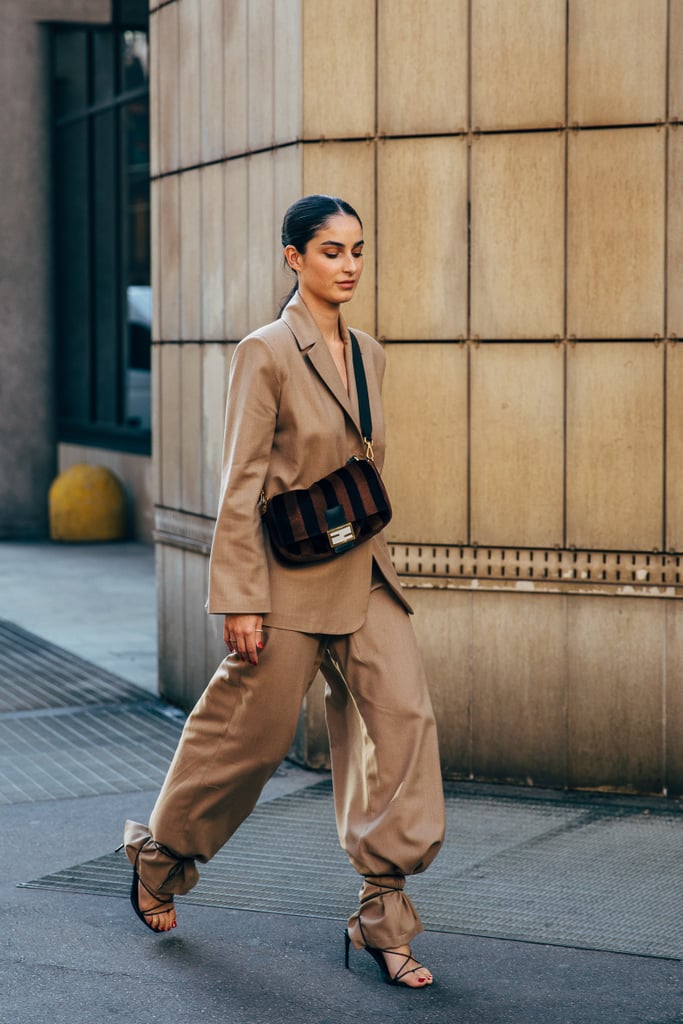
238 571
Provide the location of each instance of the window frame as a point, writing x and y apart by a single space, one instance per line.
88 427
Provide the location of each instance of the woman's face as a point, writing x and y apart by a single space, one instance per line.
330 268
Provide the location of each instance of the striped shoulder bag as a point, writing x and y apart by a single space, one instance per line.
338 512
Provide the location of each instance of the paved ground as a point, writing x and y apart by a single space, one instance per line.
96 600
67 958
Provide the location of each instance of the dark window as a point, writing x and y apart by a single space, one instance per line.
102 225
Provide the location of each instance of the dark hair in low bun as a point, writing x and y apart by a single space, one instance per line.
307 216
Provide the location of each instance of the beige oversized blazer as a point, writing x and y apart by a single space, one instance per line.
289 421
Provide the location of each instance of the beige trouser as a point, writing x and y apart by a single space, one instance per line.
385 763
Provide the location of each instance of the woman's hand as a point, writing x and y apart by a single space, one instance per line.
244 634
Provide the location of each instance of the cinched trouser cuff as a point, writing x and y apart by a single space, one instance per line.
162 872
386 916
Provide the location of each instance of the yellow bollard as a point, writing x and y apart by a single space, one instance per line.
87 503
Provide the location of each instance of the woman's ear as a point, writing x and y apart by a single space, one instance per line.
293 257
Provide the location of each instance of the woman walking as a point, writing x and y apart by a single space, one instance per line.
293 417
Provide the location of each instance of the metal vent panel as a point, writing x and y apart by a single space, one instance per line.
57 756
590 876
35 674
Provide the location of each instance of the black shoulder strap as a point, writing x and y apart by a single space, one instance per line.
362 389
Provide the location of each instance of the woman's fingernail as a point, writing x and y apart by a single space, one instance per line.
259 646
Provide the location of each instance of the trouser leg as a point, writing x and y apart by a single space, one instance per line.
236 736
386 769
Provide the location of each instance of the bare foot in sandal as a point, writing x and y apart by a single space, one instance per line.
157 914
160 917
404 969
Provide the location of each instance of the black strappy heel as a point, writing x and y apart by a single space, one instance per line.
378 956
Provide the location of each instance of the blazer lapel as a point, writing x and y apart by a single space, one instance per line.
312 344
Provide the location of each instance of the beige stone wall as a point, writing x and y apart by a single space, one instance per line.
519 169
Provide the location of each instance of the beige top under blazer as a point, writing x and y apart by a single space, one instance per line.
290 421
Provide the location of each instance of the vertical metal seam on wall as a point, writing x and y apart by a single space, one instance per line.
179 321
155 187
375 144
665 360
202 255
565 391
468 312
565 361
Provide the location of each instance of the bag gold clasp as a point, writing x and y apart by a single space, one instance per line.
340 535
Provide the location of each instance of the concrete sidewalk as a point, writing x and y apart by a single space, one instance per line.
73 958
96 600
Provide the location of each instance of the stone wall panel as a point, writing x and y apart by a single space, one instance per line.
614 446
422 78
236 251
615 689
426 423
212 88
191 450
676 60
347 169
235 81
674 447
287 102
517 445
168 84
260 73
169 445
338 69
174 684
673 704
190 256
189 82
519 689
674 254
422 247
518 64
517 240
262 239
616 216
617 61
212 261
168 257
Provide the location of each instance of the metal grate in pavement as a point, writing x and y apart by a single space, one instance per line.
36 674
89 752
594 875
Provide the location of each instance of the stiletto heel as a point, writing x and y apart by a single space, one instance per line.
347 945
